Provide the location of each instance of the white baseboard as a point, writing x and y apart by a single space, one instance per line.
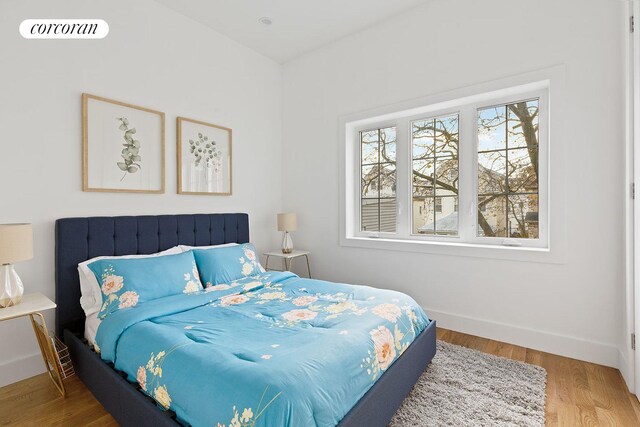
562 345
20 369
626 370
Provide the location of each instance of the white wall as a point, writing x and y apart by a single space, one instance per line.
152 57
571 308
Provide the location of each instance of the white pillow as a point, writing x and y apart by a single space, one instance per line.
186 248
91 295
91 325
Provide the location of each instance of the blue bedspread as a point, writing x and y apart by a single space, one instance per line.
269 350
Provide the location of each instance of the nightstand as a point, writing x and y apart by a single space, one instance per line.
31 305
287 259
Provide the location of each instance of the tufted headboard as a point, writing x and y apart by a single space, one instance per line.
80 239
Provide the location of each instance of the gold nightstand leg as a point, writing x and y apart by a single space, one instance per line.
48 351
308 268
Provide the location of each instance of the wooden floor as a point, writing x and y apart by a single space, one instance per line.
578 393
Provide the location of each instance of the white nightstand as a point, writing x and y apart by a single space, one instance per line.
31 305
287 259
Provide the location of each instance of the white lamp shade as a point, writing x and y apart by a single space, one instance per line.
287 222
16 243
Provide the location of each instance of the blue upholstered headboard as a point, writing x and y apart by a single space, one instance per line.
80 239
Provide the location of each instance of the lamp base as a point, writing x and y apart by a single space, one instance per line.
287 243
11 288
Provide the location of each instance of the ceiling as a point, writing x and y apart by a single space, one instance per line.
298 25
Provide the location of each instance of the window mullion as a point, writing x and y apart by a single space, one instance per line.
466 172
434 175
379 180
403 178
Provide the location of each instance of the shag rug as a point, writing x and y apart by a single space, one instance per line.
463 387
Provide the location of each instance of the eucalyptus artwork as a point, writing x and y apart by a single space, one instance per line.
114 148
131 151
204 158
205 150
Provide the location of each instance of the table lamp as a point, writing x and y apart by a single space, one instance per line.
16 244
287 222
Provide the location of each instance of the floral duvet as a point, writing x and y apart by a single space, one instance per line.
268 350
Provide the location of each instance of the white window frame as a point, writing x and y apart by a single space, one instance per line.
543 173
409 177
358 179
549 247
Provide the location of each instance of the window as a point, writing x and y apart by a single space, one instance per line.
470 170
508 170
434 175
378 180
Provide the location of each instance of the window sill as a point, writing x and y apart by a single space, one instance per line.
448 248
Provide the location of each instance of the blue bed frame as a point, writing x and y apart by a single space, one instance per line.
79 239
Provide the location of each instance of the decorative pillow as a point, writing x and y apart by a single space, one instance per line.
224 265
91 295
128 282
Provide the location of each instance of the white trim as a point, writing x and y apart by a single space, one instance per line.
626 355
549 342
23 367
552 78
632 293
626 370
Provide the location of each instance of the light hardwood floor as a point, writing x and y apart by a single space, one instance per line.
578 393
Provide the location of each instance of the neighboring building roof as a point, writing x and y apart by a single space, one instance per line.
531 217
448 223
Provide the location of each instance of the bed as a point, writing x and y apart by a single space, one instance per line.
80 239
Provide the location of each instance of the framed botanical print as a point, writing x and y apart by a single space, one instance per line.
204 158
122 147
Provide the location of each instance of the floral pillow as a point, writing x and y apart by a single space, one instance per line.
224 265
127 282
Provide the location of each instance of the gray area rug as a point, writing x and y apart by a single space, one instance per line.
463 387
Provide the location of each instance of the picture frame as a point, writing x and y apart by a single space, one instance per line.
204 157
123 147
